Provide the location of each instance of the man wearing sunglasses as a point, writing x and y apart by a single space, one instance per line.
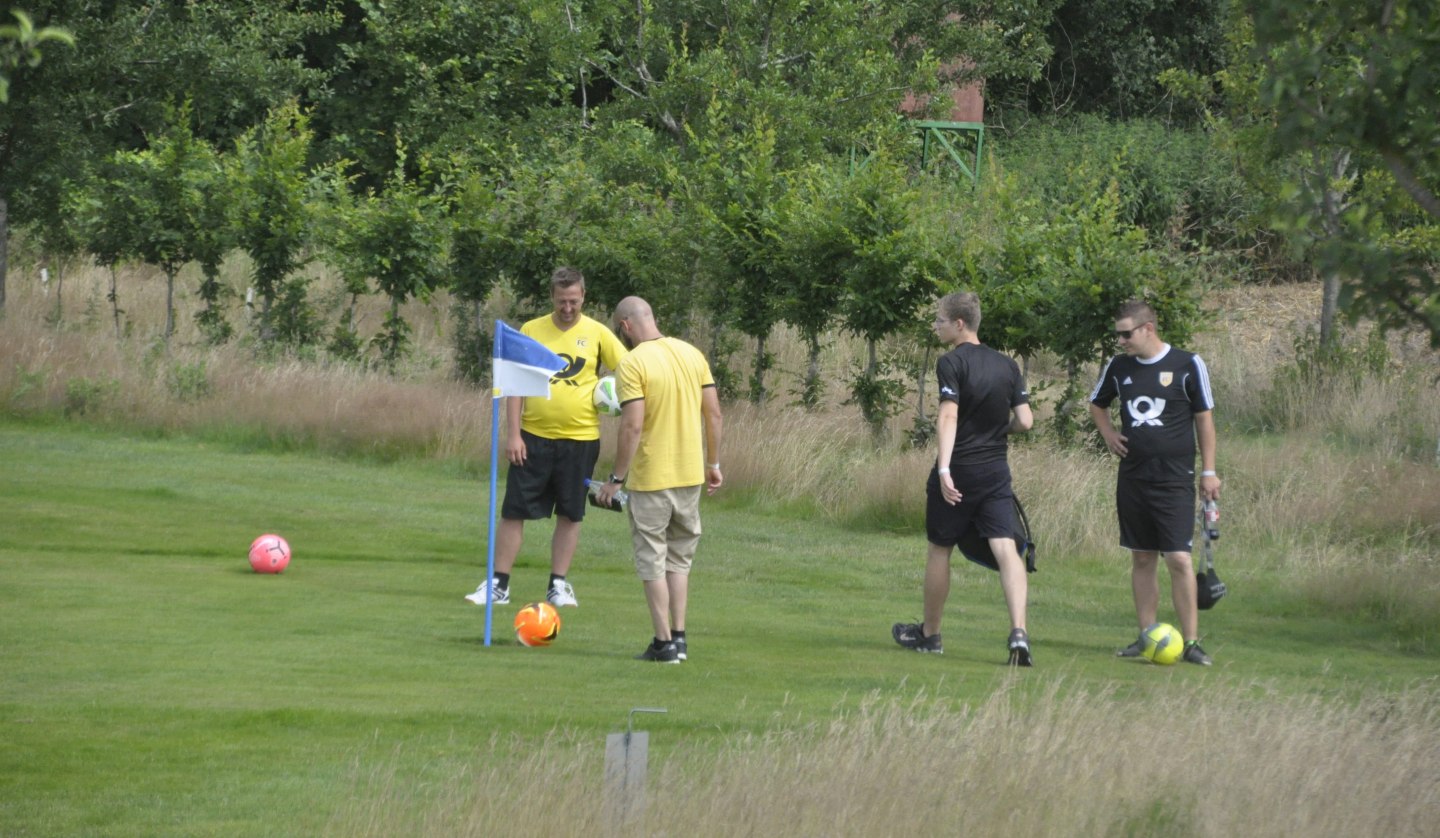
1165 411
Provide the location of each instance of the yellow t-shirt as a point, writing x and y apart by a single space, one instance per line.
570 412
669 374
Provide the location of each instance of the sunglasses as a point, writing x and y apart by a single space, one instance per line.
1124 334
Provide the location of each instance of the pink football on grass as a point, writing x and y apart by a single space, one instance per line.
269 554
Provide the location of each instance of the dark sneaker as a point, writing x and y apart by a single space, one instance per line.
912 636
1020 648
664 653
682 649
1133 650
1194 654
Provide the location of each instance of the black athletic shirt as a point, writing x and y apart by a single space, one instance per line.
1158 402
985 386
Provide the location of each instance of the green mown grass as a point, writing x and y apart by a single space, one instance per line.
151 684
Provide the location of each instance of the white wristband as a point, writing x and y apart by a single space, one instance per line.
1207 474
713 465
943 470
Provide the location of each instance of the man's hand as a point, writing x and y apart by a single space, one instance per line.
948 491
1115 441
515 450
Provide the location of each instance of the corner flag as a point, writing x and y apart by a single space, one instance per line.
520 366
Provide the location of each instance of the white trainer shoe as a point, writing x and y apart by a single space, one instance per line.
561 594
485 591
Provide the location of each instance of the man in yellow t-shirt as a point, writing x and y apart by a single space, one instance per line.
669 447
552 444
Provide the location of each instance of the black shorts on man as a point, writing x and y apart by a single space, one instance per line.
552 481
987 504
1155 517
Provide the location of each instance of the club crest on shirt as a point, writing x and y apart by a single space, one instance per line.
1166 378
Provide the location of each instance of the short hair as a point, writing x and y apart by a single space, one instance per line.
1138 312
564 277
962 305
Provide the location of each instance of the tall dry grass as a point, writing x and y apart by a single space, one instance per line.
1314 469
76 365
1210 759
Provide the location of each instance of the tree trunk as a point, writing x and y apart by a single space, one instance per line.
169 306
920 386
4 247
115 301
1336 177
59 291
757 384
812 375
1329 302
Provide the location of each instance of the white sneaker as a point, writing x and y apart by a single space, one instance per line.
562 594
483 593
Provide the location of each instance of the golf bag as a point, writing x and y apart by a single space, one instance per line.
1208 587
977 549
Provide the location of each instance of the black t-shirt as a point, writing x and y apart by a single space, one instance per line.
985 386
1158 402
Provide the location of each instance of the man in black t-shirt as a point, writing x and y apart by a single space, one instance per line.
982 401
1165 408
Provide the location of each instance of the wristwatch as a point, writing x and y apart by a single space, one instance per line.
614 478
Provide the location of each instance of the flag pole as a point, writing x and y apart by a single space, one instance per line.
520 367
495 399
494 468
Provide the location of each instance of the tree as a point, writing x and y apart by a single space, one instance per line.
1108 55
887 276
1355 87
400 239
162 193
833 73
269 208
449 76
738 194
231 60
20 46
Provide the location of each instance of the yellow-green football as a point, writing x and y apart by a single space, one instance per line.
1162 644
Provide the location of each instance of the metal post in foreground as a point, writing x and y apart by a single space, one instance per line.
626 764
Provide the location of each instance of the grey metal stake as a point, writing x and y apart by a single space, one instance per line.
626 759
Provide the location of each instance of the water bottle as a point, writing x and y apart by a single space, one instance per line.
593 487
1212 519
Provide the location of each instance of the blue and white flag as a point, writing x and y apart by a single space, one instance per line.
522 366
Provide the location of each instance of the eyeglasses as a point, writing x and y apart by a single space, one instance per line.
1124 334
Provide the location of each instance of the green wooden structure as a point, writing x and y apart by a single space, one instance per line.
960 142
963 142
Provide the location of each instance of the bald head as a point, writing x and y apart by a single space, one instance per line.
635 322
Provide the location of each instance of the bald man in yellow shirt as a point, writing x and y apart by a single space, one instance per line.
669 447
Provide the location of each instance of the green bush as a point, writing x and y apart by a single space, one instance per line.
85 396
1175 183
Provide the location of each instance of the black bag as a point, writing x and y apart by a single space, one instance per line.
977 549
1208 587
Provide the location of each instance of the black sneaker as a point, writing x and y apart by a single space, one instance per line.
681 648
1133 650
664 653
1020 648
912 636
1194 654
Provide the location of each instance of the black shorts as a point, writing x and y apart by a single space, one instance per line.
552 479
1156 517
987 505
